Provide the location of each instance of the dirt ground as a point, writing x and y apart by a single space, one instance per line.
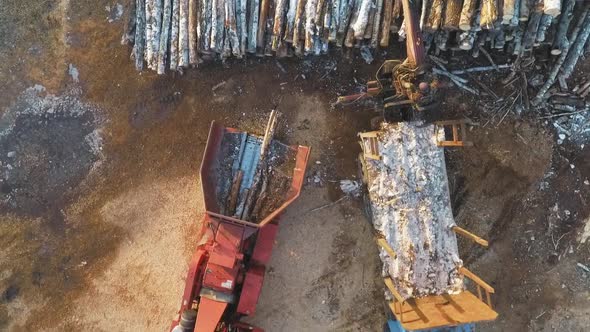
100 199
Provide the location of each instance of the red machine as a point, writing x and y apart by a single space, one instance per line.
227 270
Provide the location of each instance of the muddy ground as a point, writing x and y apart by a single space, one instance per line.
101 202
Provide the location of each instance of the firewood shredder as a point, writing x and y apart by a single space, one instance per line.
247 182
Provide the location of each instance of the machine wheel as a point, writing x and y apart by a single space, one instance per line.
188 319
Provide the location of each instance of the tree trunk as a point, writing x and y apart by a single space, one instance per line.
232 28
349 40
156 29
290 21
453 14
174 35
139 47
270 18
467 13
205 18
489 14
345 18
310 9
560 42
552 7
128 37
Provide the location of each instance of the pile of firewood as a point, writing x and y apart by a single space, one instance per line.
176 34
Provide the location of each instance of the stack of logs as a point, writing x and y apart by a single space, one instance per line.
176 34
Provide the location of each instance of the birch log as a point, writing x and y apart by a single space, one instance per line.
576 50
508 9
220 26
525 6
205 25
214 28
543 27
489 14
310 9
232 28
349 39
388 13
560 41
327 21
264 4
149 22
376 22
156 29
279 17
467 13
334 21
139 47
183 38
174 35
345 17
435 16
557 66
164 36
299 25
290 21
453 14
551 7
531 31
362 19
243 25
424 12
270 17
369 29
253 25
192 32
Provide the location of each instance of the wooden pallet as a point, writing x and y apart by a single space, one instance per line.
458 130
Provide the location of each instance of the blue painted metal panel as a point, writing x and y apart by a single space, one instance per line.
395 326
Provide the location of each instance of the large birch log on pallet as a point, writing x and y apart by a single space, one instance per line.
139 46
164 36
557 66
560 41
453 14
552 7
467 13
489 14
576 50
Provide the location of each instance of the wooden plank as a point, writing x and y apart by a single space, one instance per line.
389 283
464 271
383 244
443 310
470 236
